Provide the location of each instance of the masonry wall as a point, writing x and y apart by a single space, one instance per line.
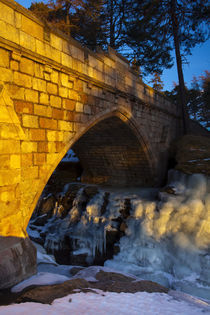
52 91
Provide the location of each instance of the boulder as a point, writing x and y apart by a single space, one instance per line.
17 260
192 154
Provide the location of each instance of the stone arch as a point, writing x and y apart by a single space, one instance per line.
123 117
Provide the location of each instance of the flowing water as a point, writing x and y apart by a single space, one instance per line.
161 236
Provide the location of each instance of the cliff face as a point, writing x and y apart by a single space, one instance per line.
192 154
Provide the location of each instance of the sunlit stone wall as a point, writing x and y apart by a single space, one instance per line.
52 91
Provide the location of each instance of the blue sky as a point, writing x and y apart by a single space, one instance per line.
198 62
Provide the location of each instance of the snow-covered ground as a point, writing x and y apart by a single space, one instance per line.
99 302
110 303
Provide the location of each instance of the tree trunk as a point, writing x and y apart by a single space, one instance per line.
179 65
68 5
111 28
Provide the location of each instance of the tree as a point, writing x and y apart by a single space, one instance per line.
156 81
197 99
178 24
90 23
40 9
205 109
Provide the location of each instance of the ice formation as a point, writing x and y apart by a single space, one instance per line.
167 239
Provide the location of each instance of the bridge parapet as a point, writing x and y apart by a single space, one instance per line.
22 31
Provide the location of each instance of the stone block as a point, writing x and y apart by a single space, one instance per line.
23 107
31 95
39 70
30 121
40 47
14 65
9 146
54 135
54 76
69 104
26 159
16 56
22 79
65 80
66 60
6 75
18 20
28 147
52 88
4 58
9 177
51 147
63 92
59 146
8 131
47 76
48 123
27 41
4 161
87 109
55 101
65 125
15 161
42 110
42 146
51 158
7 193
70 116
37 134
55 55
79 107
39 158
39 84
32 28
73 95
56 41
32 172
44 99
9 32
57 114
6 14
27 66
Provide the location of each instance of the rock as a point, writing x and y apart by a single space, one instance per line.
79 260
18 260
192 154
40 220
125 211
107 281
123 227
168 190
46 205
75 270
105 203
91 191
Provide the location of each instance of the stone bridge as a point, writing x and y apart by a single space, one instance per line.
56 95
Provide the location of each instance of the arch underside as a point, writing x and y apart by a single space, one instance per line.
111 153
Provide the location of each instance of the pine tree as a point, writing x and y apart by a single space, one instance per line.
40 9
167 24
90 29
156 81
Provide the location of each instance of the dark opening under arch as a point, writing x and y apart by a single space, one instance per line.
111 153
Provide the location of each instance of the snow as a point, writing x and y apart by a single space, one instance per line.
70 157
167 241
41 278
103 303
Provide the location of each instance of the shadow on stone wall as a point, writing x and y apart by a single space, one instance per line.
17 260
